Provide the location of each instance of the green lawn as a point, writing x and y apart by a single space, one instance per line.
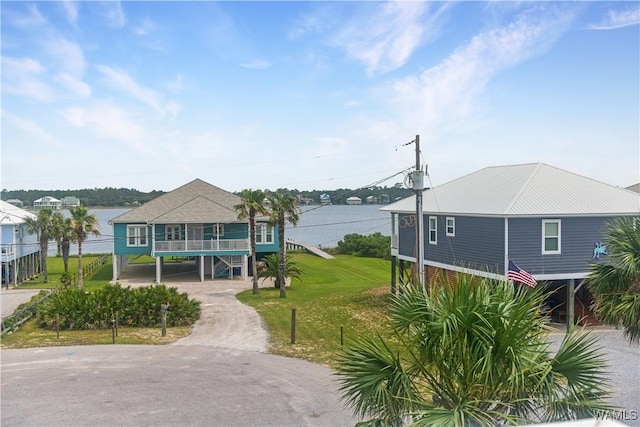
348 292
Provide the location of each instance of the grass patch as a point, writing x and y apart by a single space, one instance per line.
349 292
30 335
55 268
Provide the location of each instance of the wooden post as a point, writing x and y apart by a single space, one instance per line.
58 326
293 326
342 336
163 311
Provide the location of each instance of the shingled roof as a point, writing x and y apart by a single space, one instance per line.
534 189
194 203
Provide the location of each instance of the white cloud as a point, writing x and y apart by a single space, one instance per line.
68 54
146 28
31 20
106 120
257 64
445 93
176 85
114 15
122 81
74 85
25 76
386 39
71 9
27 126
619 19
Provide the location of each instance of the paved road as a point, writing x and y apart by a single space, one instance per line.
218 376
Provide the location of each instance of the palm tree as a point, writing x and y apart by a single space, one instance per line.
42 226
250 207
57 224
82 224
283 209
615 282
272 269
472 354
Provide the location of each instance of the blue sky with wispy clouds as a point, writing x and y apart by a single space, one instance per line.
314 95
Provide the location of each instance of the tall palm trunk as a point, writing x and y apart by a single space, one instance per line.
65 245
252 236
80 278
282 262
44 248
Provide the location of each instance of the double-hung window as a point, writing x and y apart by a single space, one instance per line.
433 230
264 234
136 235
551 243
451 226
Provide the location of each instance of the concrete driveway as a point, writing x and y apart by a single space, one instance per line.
218 376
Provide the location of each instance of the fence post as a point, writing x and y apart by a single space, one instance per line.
342 336
293 326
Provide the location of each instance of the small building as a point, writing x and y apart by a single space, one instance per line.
353 200
372 200
70 202
47 202
19 251
325 199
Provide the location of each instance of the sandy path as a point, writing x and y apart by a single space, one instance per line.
224 321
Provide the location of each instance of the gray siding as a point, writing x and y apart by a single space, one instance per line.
478 242
406 235
578 237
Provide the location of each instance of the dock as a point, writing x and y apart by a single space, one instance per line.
292 244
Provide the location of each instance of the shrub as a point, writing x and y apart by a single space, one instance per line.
138 307
374 245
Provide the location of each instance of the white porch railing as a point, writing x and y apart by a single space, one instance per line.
7 249
201 245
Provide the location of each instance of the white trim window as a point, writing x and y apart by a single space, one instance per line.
451 226
172 232
551 242
433 230
137 235
264 234
218 230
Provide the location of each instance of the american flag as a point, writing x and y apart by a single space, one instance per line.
517 274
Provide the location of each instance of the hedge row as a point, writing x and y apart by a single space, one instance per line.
76 309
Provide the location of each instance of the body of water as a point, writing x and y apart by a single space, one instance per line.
318 225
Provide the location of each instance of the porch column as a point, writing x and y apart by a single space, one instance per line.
571 309
245 267
158 269
115 268
201 265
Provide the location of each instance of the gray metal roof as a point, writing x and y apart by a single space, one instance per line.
194 203
534 189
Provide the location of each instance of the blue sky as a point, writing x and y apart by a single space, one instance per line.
314 95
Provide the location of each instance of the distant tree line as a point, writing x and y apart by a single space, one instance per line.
109 196
381 195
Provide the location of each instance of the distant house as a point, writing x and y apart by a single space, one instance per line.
47 202
372 200
548 221
19 251
196 221
325 199
353 200
70 202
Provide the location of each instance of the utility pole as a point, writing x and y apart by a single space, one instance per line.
418 186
